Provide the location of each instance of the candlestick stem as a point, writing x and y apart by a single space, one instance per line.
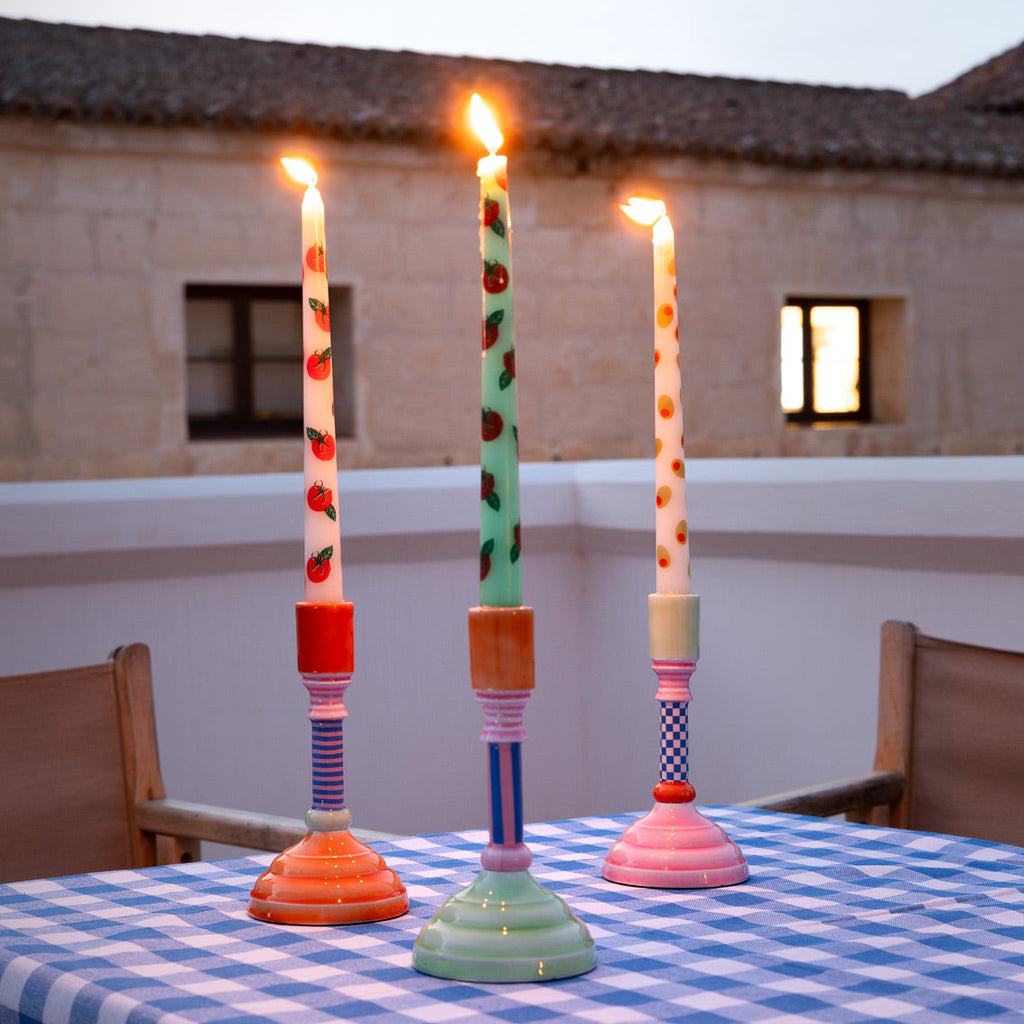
674 846
503 733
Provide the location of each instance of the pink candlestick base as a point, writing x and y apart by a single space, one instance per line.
675 847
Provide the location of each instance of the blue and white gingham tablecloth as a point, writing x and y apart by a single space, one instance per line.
837 923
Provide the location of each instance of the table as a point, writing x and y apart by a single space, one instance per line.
838 923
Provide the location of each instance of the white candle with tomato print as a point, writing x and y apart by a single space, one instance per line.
501 579
672 555
321 530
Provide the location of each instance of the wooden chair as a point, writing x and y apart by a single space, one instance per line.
950 750
80 785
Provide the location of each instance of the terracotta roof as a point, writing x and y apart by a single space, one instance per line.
995 87
143 77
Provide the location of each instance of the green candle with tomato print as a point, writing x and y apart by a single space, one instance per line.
501 578
321 531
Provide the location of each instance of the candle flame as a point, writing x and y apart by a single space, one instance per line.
299 170
484 124
644 211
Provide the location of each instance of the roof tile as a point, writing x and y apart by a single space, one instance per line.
971 126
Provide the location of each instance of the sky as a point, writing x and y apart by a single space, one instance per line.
913 45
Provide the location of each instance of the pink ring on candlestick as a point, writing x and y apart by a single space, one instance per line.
673 680
503 715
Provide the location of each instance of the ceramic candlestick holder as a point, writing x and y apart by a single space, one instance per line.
328 877
674 846
504 927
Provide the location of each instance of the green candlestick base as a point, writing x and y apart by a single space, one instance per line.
504 927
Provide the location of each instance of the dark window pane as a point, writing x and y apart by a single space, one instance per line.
276 329
211 389
277 389
208 328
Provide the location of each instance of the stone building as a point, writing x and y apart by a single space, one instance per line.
150 263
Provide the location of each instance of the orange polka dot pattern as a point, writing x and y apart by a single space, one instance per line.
672 534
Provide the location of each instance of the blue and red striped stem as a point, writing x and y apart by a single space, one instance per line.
503 732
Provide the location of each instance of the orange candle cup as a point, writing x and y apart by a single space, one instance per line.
501 648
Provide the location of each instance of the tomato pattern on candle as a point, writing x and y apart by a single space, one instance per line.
500 544
321 314
320 499
323 582
318 566
318 365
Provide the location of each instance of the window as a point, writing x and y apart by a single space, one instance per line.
245 360
824 346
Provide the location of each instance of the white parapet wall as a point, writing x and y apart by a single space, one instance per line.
797 562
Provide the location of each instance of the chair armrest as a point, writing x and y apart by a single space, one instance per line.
861 791
218 824
248 829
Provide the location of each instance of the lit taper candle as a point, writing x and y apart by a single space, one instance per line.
321 533
671 533
501 579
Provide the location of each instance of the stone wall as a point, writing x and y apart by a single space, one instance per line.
103 226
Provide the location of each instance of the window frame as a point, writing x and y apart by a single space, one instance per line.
808 415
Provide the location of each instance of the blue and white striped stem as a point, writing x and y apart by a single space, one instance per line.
326 713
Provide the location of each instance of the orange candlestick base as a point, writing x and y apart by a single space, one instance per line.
329 877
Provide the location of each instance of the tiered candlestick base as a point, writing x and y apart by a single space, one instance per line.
328 877
504 927
674 846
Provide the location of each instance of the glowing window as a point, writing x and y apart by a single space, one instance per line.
824 360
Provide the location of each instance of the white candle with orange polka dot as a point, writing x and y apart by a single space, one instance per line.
671 533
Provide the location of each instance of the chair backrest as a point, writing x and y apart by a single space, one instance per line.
951 716
77 749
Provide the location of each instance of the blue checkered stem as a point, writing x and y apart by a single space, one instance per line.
673 741
328 765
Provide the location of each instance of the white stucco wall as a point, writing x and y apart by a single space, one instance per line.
797 563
